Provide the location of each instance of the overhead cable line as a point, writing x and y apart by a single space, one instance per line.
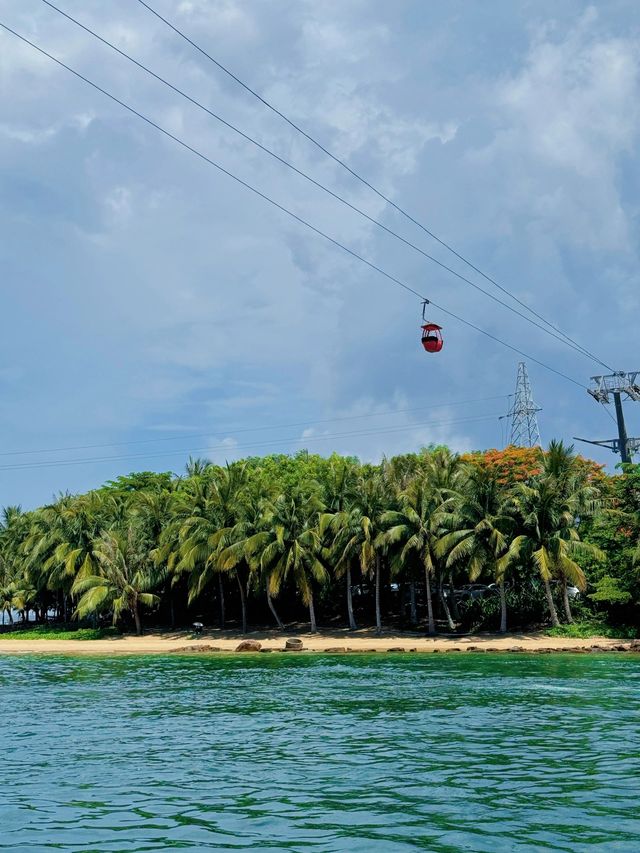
286 210
559 337
222 447
236 430
369 185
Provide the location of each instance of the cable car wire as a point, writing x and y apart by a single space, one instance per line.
559 337
237 430
222 447
286 210
367 183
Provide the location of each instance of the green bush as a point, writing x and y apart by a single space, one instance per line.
583 630
57 632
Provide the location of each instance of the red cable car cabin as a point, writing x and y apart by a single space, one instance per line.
432 337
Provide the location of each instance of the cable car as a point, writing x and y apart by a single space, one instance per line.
431 333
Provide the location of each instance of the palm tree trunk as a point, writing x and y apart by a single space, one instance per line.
221 591
454 604
503 608
445 605
352 621
412 599
136 617
552 608
243 603
565 601
273 610
312 614
432 624
378 616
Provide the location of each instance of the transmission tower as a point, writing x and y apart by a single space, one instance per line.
523 413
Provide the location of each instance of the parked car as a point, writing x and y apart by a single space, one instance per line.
473 591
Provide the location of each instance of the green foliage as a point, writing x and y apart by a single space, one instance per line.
592 628
294 530
58 632
609 590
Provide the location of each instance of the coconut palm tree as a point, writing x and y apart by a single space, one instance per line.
233 556
580 498
206 533
124 579
476 530
355 537
413 529
13 529
60 544
549 539
289 545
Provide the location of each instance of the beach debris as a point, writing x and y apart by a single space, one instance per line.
294 644
396 649
334 650
249 646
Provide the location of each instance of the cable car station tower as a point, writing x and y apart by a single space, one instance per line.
621 386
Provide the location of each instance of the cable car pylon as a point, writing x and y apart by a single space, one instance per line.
619 385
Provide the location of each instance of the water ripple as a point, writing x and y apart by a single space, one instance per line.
281 753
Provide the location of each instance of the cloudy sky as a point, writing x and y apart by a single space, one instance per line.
152 307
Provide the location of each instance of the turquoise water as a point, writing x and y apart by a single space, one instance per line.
363 753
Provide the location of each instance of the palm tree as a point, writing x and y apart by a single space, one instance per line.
233 556
476 528
549 539
206 533
154 512
124 580
356 533
10 559
413 530
580 498
17 593
59 547
290 545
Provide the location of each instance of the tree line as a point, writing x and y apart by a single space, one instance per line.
432 540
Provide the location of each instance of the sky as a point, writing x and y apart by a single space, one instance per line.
152 308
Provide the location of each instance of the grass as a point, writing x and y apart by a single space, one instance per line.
57 632
585 629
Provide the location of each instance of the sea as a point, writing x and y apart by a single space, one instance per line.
315 752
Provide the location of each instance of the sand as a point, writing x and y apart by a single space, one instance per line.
348 641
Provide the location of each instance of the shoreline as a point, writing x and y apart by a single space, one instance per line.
337 641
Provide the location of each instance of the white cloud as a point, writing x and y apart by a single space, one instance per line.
565 119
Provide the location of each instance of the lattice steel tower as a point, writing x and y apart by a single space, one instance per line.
523 413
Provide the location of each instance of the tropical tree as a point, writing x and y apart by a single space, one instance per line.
356 538
476 530
125 577
549 539
413 529
11 536
289 545
206 533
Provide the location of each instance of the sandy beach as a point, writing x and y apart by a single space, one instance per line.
324 641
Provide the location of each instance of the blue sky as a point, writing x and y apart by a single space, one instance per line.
152 306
